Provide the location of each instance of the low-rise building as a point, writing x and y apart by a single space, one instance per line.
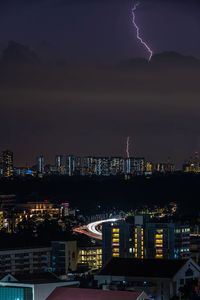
31 287
159 278
27 260
90 257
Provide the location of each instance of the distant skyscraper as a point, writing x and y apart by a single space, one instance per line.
116 165
60 166
70 165
59 161
7 163
40 164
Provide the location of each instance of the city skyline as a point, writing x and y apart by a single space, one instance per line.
67 86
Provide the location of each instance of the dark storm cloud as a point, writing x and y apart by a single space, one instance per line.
75 107
88 110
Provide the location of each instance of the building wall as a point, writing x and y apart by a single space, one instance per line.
25 260
91 257
64 256
115 240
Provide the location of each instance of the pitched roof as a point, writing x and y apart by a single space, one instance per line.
63 293
129 267
42 277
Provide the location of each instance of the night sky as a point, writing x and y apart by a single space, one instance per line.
71 80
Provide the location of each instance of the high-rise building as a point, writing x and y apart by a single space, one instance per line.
7 163
115 240
40 164
116 165
160 240
102 166
59 161
70 165
149 168
139 237
135 166
60 166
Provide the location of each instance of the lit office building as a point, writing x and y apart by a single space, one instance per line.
160 240
115 240
40 164
90 257
139 237
182 242
7 163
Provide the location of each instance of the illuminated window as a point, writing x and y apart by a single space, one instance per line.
159 241
115 249
135 236
159 256
159 236
115 230
115 254
116 235
115 240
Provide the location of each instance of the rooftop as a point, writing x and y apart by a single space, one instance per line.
159 268
64 293
35 278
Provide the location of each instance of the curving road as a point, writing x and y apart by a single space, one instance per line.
92 230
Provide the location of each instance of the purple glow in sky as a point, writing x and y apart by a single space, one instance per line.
138 32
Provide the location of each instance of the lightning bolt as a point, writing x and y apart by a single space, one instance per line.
127 147
138 32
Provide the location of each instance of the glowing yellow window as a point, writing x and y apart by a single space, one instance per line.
116 235
135 255
159 236
115 230
115 249
115 240
159 256
159 241
135 229
115 254
135 236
